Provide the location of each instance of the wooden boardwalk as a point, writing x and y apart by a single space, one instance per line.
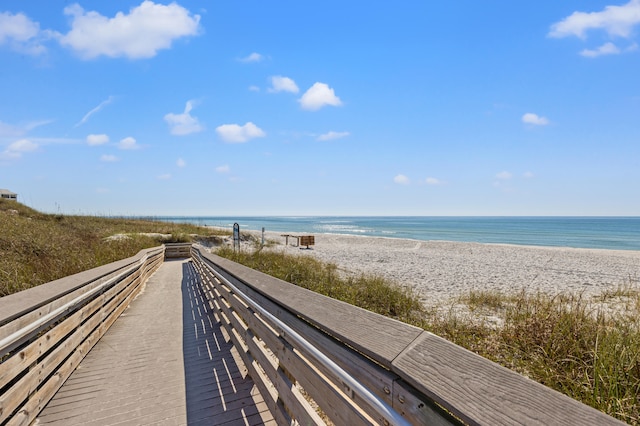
164 361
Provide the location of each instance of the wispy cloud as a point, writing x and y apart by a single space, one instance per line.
223 169
534 119
401 180
504 175
141 33
433 181
185 123
282 84
128 143
165 176
181 163
108 158
253 57
95 140
17 148
607 49
318 96
332 136
94 110
11 131
234 133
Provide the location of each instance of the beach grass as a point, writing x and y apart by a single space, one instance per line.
585 347
36 248
369 292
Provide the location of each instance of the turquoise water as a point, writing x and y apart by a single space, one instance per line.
619 233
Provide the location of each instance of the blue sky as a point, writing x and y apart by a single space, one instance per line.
321 108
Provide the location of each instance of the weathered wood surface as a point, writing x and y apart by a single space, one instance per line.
164 361
427 369
177 250
15 305
38 358
384 340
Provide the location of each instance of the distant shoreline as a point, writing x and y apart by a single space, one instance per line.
618 233
442 270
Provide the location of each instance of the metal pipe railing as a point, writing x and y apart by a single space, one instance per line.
389 415
11 341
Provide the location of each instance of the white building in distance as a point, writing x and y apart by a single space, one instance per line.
5 194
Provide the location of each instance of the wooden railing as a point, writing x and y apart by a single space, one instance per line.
46 331
177 250
312 357
423 378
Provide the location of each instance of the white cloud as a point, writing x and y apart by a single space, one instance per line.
504 175
535 119
165 176
332 135
94 110
141 33
254 89
606 49
128 143
22 34
433 181
319 95
282 84
95 140
181 163
108 158
183 124
401 180
12 131
9 130
234 133
253 57
616 21
223 169
528 175
19 147
23 145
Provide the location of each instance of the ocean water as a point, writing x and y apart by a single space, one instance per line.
618 233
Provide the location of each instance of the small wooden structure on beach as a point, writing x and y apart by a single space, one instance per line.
304 240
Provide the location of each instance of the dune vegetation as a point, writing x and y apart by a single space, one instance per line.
585 347
36 248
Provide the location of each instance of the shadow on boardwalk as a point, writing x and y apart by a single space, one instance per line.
218 390
139 373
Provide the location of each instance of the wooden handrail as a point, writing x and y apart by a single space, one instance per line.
421 377
425 378
46 331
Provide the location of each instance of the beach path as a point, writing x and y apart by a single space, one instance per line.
163 362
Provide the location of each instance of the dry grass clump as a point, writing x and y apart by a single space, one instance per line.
369 292
36 248
571 343
586 348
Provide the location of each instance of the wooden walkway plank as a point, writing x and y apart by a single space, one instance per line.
164 361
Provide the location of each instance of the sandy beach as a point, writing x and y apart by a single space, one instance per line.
442 270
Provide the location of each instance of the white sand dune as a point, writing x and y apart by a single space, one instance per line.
441 270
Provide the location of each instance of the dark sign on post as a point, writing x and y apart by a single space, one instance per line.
236 236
